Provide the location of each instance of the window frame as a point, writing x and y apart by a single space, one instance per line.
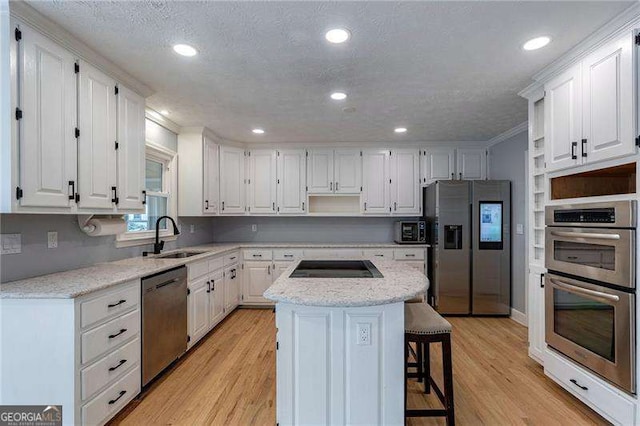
169 159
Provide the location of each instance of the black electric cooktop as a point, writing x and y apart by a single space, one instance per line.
335 269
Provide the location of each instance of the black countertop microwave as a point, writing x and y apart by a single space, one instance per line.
411 232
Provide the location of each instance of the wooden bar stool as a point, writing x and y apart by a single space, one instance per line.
423 326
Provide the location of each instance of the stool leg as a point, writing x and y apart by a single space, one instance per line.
426 353
419 362
447 370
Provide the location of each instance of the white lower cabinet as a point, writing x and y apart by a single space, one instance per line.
198 308
535 316
279 268
232 288
72 358
258 276
216 299
611 403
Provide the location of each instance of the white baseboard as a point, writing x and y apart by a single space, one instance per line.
519 317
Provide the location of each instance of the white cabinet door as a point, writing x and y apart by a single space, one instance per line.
262 181
198 309
257 278
438 164
291 181
231 289
232 195
47 142
347 171
216 299
405 181
131 150
472 164
536 317
96 144
279 268
211 184
563 120
607 102
375 181
320 171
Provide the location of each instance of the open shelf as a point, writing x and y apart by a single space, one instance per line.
610 181
334 204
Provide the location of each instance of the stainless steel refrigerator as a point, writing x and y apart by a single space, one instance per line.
470 254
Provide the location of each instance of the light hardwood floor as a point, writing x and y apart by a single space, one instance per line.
229 379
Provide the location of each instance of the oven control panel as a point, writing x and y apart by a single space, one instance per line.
585 216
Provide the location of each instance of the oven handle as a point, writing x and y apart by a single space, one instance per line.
586 235
585 291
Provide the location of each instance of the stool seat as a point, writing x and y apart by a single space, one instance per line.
420 318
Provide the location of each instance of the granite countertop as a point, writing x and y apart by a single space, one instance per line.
79 282
399 283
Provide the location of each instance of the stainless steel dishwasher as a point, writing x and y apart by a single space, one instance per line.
164 320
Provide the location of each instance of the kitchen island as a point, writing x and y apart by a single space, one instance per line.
340 346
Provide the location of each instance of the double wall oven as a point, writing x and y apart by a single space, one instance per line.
590 287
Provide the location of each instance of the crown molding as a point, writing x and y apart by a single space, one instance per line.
160 120
522 127
621 25
27 14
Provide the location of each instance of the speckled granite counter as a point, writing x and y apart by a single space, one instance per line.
398 284
78 282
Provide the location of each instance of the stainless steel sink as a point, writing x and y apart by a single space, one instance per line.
178 255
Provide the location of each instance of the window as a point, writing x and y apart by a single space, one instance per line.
160 186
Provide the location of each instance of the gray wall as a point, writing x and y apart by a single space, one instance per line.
507 161
75 248
305 229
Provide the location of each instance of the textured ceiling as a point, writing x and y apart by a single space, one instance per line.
448 71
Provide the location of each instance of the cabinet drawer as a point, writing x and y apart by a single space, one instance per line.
111 304
600 396
378 254
285 254
257 255
231 258
102 339
197 269
328 254
110 368
408 254
215 264
108 403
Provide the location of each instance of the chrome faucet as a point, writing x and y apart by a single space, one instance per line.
159 245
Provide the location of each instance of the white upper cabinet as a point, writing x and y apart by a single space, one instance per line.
262 181
291 181
97 184
232 195
320 171
405 181
211 184
347 171
438 164
375 181
47 144
131 150
471 164
589 109
607 102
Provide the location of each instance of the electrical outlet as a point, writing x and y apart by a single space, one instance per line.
363 333
52 239
192 229
11 243
254 227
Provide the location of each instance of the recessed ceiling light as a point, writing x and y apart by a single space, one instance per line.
164 112
258 131
185 50
337 35
338 96
536 43
400 130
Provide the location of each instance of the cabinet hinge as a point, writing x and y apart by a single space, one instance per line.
242 297
18 192
278 152
188 291
278 181
116 90
188 338
18 34
277 345
360 153
389 153
77 133
638 141
18 114
360 189
77 197
306 153
638 39
116 144
278 208
76 68
306 188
